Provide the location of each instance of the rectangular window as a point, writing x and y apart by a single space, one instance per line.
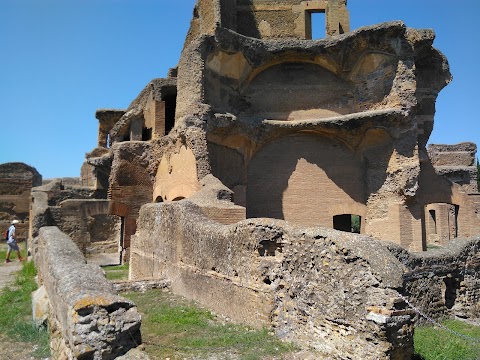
318 25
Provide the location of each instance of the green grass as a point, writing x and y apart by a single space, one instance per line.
176 328
116 272
433 247
433 343
16 312
13 255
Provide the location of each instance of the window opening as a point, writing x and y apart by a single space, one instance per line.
318 25
450 287
170 106
348 223
433 218
146 134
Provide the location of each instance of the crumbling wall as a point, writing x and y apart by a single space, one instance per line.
289 19
370 101
87 319
444 282
16 182
86 221
447 209
130 186
147 117
457 163
315 286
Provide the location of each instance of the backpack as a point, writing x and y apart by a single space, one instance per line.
5 235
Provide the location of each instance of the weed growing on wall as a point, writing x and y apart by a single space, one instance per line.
16 313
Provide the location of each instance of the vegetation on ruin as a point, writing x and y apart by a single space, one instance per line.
433 343
16 312
116 272
173 327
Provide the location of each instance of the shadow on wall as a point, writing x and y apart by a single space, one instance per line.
296 91
301 177
246 22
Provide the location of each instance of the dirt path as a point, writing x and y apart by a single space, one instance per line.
6 271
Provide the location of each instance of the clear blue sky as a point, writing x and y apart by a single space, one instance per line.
63 59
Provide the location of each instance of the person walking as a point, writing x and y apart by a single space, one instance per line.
12 242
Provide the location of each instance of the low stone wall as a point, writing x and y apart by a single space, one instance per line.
443 282
333 291
87 319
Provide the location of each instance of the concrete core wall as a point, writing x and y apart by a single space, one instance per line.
267 273
329 290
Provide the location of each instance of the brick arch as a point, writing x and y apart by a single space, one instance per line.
319 60
303 178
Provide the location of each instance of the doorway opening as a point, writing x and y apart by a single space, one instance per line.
170 105
441 223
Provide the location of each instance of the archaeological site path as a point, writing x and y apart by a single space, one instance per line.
9 349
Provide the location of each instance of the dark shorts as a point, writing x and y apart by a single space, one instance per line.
13 246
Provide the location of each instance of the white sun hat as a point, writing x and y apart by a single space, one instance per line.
15 221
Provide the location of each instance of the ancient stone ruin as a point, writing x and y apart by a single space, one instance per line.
286 182
16 183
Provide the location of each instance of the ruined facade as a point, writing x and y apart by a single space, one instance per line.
327 133
231 177
16 183
78 213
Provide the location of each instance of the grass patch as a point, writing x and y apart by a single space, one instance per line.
16 312
433 343
116 272
176 328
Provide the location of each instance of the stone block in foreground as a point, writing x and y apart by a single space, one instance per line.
88 320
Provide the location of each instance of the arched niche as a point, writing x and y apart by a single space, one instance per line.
297 90
176 176
302 178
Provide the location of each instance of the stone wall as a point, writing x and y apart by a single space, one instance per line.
130 185
457 163
315 286
287 19
444 282
86 221
342 294
16 182
272 147
87 319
